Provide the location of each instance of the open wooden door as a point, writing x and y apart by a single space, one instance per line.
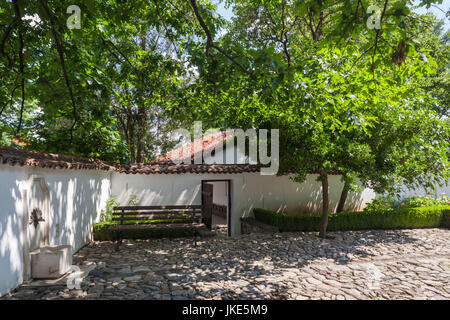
207 202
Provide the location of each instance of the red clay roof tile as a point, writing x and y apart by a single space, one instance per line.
13 156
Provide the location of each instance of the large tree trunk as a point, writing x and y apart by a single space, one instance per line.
132 153
325 204
343 197
130 129
142 126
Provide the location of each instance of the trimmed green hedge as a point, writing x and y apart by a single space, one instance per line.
101 232
436 216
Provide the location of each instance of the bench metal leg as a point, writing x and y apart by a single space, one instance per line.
195 236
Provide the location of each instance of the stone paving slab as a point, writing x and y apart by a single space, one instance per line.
374 264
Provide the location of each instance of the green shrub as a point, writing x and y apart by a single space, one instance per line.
378 204
446 219
382 219
415 202
285 222
386 203
102 232
106 215
267 216
133 199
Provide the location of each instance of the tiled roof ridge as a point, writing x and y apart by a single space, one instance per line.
14 156
207 143
47 154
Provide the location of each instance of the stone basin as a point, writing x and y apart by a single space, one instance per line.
51 262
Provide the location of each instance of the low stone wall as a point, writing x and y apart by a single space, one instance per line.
250 225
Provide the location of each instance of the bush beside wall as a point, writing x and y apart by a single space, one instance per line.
446 219
102 233
422 217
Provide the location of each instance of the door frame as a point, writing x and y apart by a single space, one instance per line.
228 181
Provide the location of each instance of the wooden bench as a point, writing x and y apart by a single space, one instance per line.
191 213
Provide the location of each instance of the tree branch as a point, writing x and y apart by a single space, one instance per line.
3 42
165 28
284 35
355 17
210 43
21 68
11 97
376 39
118 50
63 64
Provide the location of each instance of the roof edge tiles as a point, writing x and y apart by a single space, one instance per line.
18 157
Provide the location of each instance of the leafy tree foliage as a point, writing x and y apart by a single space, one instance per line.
370 103
349 100
93 91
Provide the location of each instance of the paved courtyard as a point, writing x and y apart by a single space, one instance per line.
397 264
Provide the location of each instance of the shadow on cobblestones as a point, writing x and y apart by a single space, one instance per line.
279 266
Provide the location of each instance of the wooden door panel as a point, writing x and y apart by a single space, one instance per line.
207 196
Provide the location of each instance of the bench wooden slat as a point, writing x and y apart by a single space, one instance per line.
135 213
186 226
169 212
160 217
157 207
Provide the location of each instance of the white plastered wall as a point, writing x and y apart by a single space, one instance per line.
248 191
161 189
408 193
76 198
284 195
280 193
